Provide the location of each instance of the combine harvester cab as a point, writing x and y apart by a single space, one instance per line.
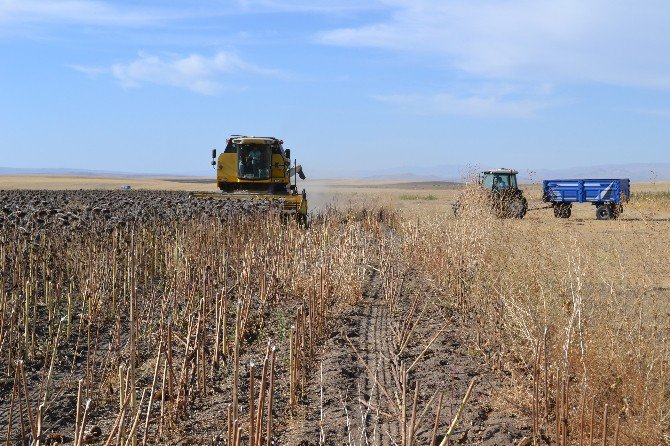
259 168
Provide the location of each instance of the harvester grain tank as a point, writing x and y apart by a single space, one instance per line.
252 167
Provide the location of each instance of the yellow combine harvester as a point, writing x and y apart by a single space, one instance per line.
259 168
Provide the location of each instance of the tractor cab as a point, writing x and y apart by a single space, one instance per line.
499 179
502 192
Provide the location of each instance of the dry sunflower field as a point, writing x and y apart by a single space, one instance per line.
138 317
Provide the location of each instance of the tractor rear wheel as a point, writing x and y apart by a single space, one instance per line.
604 212
517 207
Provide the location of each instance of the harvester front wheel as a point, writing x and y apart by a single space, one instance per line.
303 221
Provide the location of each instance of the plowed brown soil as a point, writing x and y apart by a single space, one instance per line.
357 404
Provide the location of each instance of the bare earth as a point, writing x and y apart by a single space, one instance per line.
361 369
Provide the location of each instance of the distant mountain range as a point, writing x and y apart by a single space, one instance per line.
638 172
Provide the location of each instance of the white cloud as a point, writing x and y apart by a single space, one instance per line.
88 12
471 105
200 74
89 71
109 13
622 42
309 6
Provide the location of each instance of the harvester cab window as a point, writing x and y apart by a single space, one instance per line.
253 161
231 147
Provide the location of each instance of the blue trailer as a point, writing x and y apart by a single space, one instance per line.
608 195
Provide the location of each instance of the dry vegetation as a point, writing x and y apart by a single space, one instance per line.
578 316
207 327
652 200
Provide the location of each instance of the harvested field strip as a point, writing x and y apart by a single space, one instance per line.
145 326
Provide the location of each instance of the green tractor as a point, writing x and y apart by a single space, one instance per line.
502 193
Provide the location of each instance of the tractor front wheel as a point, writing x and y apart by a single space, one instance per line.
457 208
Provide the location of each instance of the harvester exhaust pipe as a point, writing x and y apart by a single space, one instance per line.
213 157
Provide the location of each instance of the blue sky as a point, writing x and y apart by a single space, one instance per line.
152 86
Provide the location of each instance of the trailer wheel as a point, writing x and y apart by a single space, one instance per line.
604 212
562 210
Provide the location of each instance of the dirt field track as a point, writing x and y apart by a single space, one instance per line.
358 370
145 316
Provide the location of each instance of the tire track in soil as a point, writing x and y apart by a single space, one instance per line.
346 380
376 352
447 366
